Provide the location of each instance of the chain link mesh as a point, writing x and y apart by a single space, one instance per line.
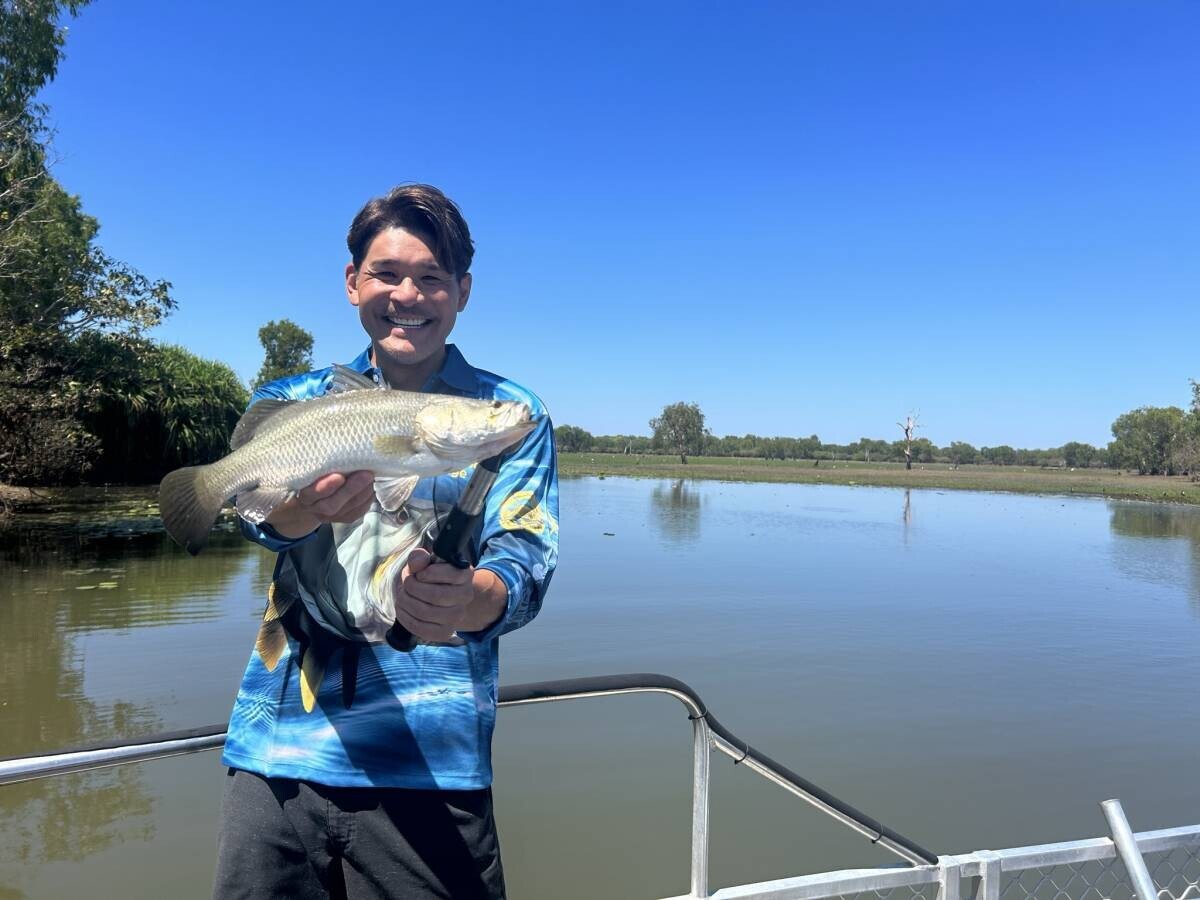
1175 873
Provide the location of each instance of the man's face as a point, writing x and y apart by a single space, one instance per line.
407 304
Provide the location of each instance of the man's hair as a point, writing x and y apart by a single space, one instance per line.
420 208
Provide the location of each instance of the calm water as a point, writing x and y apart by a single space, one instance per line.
975 670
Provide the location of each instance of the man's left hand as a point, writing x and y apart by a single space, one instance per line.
434 599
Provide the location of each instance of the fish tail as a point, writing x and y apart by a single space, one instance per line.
189 506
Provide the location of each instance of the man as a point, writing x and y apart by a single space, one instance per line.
357 769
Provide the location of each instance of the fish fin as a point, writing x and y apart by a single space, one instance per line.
270 643
311 673
277 604
188 506
395 444
348 380
253 418
392 492
254 506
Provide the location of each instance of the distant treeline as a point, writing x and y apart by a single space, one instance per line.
1149 440
571 438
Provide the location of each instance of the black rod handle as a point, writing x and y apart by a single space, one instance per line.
454 537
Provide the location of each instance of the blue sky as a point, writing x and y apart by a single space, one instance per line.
805 217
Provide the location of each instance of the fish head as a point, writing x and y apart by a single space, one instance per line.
464 430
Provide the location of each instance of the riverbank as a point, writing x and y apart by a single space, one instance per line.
135 508
1015 479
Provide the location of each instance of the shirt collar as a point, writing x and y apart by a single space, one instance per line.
455 373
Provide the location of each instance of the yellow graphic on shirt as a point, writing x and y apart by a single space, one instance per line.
521 512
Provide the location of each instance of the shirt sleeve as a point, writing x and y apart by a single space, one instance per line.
519 537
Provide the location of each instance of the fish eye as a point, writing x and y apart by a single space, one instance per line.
496 404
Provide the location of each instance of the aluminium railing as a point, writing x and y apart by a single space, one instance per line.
706 730
929 878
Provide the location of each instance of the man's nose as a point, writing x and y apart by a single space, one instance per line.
406 291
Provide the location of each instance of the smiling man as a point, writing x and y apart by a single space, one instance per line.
357 769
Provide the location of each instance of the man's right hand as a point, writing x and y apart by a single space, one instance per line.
335 497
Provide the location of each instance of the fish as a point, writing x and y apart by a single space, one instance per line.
281 446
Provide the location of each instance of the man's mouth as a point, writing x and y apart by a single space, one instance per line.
406 321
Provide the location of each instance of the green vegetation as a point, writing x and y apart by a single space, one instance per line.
84 394
1152 441
679 428
941 476
287 348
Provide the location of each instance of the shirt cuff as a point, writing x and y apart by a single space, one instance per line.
266 535
517 583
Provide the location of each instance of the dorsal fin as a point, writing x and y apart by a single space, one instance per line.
348 380
253 418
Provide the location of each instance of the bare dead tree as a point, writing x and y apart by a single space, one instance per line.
908 427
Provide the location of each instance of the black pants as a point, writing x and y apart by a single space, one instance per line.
293 839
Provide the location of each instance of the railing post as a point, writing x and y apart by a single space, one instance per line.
989 875
949 879
700 761
1122 835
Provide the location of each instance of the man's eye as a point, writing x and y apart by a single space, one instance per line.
432 279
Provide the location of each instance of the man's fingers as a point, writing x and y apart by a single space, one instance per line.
442 573
329 493
423 629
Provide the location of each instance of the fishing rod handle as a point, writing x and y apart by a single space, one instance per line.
450 546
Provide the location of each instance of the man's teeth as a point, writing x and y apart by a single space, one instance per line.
406 323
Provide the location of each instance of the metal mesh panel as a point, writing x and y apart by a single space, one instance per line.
1176 875
1094 880
903 892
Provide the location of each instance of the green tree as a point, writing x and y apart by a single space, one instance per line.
171 409
961 453
572 439
58 289
288 349
1078 455
680 429
1146 439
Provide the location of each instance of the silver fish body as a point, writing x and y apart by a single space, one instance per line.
281 446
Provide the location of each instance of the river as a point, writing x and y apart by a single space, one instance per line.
974 670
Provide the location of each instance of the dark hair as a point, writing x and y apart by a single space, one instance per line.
420 208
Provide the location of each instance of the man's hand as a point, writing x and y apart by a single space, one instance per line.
434 599
331 498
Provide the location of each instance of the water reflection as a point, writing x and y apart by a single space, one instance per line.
1146 524
61 591
677 509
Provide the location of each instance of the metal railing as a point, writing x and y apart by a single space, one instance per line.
1098 869
1075 870
707 733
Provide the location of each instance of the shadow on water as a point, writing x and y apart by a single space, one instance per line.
677 509
1145 525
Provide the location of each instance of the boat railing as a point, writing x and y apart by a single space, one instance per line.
1117 867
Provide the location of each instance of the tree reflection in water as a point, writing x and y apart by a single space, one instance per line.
56 586
1157 521
677 509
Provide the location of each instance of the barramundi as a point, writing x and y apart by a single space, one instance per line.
280 446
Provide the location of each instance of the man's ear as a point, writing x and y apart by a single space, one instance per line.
464 291
352 283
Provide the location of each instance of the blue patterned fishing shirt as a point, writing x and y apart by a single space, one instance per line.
422 719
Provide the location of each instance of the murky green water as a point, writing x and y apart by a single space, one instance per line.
975 670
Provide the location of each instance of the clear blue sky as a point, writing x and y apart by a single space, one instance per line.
805 217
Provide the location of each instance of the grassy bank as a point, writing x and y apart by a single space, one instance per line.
1095 482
